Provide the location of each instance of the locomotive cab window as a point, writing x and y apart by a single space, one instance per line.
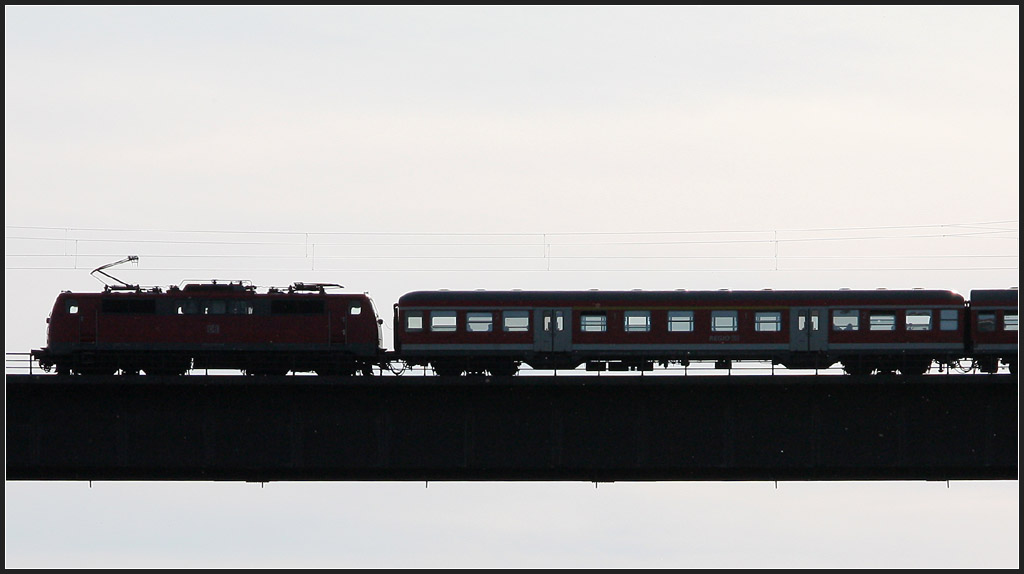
239 308
413 321
724 321
845 320
768 321
919 320
442 321
515 321
71 307
479 322
355 309
680 321
637 321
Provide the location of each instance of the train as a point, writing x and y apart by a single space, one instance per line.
318 328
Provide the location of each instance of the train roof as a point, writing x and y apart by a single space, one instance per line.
566 298
995 297
231 290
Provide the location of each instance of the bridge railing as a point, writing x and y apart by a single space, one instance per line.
22 364
25 363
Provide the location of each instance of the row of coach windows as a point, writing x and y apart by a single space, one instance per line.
682 321
914 320
633 321
987 322
476 321
721 321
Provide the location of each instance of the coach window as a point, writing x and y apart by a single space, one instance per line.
638 321
413 321
845 320
986 322
883 322
918 320
723 321
948 320
355 309
479 322
1009 321
593 322
768 321
442 321
680 321
515 321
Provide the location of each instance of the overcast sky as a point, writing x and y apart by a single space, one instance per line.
610 147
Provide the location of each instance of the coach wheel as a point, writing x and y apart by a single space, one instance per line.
915 367
447 369
503 369
988 365
858 369
336 371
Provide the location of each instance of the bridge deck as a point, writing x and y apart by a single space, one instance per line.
935 427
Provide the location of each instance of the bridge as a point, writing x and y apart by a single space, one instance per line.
576 427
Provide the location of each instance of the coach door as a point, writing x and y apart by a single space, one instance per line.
552 332
807 330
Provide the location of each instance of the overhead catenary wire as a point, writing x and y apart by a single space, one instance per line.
24 250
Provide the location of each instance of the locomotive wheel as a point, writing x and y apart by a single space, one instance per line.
96 371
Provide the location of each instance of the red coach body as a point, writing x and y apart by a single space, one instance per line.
477 331
992 332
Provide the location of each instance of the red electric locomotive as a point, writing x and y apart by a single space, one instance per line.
212 326
865 331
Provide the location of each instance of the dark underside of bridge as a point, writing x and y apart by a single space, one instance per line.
580 428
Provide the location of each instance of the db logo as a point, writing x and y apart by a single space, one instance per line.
212 329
